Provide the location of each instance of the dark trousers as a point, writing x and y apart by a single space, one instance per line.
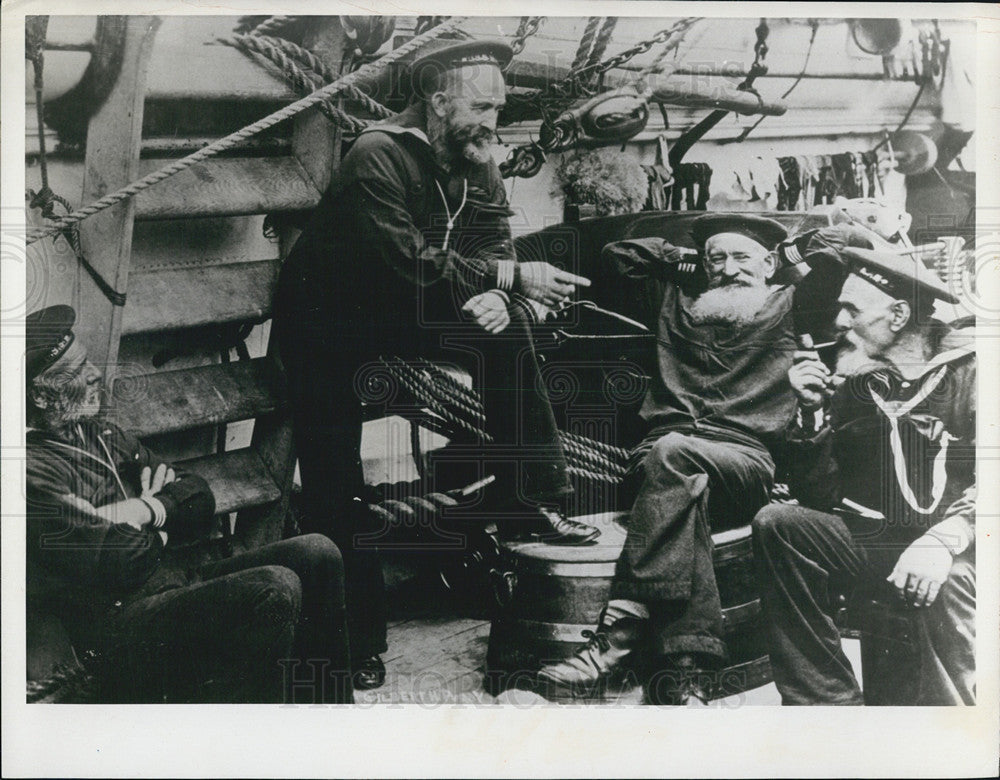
804 558
692 486
265 626
332 370
525 454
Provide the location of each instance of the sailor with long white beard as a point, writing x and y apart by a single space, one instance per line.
719 399
736 291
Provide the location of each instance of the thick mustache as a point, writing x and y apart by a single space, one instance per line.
732 283
482 135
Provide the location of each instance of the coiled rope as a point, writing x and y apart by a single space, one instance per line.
335 88
272 25
301 82
290 57
461 410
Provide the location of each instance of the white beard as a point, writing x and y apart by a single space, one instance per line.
732 304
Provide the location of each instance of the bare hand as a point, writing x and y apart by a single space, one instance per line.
547 284
131 511
153 482
809 379
489 310
921 571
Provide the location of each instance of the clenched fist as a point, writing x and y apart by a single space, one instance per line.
489 310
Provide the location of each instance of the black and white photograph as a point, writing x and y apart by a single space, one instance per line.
390 394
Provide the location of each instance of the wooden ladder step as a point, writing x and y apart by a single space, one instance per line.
238 479
227 187
179 400
174 298
213 72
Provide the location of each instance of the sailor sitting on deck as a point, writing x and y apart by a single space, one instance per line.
886 440
112 553
718 401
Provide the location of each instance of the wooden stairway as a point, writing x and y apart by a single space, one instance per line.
198 261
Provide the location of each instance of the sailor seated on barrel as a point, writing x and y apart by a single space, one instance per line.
884 470
719 400
115 551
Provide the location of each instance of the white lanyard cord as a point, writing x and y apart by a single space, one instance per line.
898 458
109 463
452 217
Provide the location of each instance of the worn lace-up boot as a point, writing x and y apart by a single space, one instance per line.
677 680
602 662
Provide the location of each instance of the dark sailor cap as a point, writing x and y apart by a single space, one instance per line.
764 231
443 55
902 276
48 333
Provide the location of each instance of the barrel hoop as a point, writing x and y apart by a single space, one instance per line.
551 632
605 569
741 613
729 550
739 678
550 559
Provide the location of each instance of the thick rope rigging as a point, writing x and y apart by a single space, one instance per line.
302 82
321 69
586 43
601 42
335 88
272 25
460 410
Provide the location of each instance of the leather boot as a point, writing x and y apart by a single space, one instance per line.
677 680
603 660
545 524
369 673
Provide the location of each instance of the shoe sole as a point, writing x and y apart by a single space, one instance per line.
563 541
613 685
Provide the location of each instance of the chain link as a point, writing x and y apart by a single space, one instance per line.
640 48
529 26
577 83
757 68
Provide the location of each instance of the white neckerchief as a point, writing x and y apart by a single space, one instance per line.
109 463
452 217
899 460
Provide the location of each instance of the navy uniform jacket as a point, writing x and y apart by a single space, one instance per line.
921 474
372 256
77 562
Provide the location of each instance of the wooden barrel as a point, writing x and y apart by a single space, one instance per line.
553 594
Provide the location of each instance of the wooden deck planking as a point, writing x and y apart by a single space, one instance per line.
433 661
